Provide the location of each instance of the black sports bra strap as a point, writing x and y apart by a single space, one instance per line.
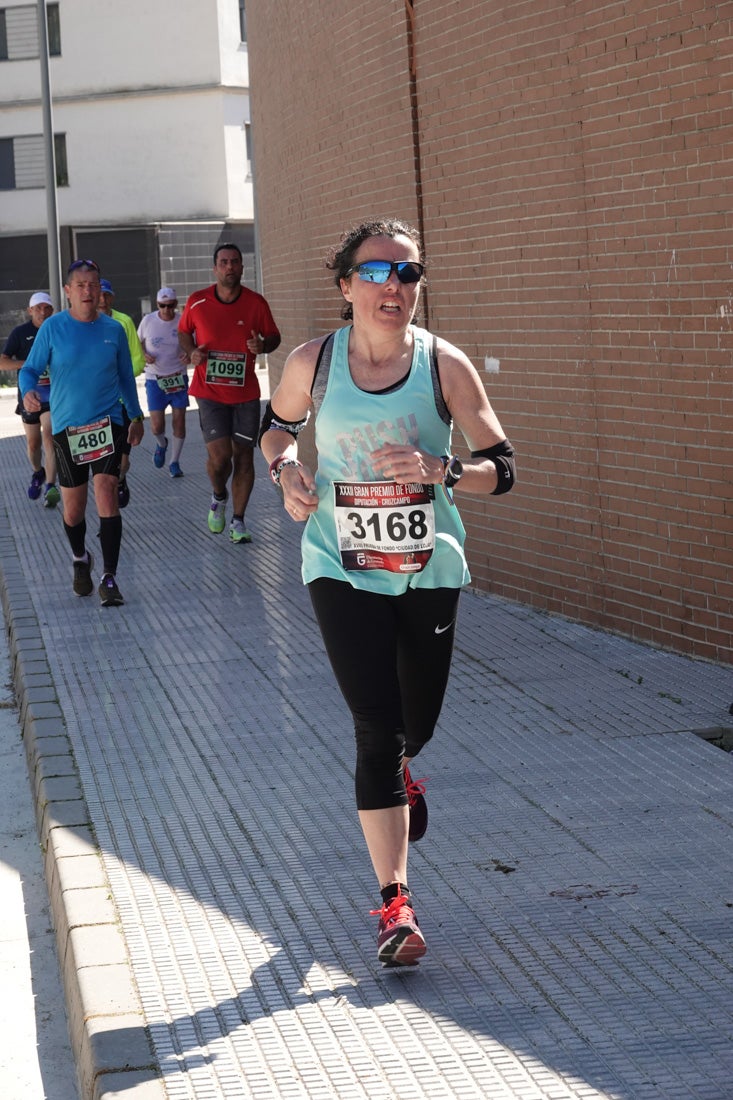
440 405
321 372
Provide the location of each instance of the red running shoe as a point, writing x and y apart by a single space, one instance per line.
418 806
399 939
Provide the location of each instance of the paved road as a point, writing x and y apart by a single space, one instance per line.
209 883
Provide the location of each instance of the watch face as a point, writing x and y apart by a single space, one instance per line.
455 468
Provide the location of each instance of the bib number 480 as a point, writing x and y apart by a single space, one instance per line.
89 442
92 440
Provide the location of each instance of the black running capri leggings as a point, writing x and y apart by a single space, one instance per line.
391 657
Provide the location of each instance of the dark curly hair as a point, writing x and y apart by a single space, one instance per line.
341 258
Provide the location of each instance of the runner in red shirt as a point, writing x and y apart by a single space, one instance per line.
222 331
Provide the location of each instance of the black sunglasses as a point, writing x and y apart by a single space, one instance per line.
167 305
82 263
379 271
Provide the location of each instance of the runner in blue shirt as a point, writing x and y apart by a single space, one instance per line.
90 369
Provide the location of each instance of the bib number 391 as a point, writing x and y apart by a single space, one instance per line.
92 441
384 525
172 383
225 368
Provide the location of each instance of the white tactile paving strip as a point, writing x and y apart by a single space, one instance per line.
575 884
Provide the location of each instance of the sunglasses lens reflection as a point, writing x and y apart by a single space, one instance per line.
379 271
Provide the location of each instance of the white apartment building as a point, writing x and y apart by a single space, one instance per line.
151 131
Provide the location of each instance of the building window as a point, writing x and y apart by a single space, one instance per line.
242 22
53 20
59 154
7 165
19 32
23 164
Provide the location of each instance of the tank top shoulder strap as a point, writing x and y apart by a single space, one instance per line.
440 406
321 373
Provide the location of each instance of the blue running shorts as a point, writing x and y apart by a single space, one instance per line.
159 400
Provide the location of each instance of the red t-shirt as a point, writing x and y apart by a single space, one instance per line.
223 329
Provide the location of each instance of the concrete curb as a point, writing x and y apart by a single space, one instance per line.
110 1042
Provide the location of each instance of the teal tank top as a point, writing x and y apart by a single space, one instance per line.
375 534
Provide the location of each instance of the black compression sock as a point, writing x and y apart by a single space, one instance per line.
76 536
110 536
392 890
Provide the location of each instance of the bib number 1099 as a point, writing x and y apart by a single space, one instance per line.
225 368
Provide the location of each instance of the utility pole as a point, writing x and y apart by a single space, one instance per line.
52 215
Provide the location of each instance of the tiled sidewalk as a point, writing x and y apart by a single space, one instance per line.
191 751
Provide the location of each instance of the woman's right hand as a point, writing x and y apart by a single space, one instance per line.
300 498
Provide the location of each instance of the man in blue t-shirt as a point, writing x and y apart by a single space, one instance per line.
36 425
89 364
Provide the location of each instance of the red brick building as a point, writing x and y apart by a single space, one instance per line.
569 166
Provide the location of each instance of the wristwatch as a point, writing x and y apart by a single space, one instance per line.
453 471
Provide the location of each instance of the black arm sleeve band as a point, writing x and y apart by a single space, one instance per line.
271 420
502 455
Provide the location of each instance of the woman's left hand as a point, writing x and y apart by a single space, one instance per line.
396 462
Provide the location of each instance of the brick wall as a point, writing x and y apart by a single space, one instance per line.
573 184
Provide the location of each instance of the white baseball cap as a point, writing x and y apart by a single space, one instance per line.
167 294
40 299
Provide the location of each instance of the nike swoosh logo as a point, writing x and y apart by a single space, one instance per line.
442 629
